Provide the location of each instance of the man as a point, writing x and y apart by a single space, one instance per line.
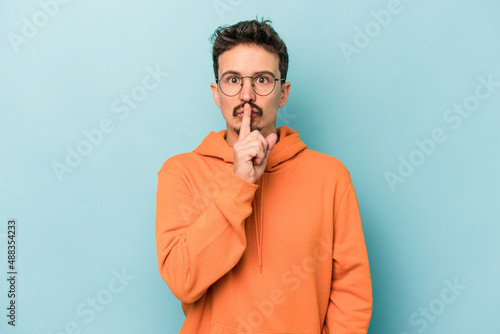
256 233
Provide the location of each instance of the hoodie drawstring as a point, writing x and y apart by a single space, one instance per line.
259 225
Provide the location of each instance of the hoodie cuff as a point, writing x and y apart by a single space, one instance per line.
241 191
236 198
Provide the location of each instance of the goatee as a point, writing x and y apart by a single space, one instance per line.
252 127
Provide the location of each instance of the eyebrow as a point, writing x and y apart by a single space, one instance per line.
254 74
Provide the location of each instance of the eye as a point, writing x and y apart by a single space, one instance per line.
232 80
263 79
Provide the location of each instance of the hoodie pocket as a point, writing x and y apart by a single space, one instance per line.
219 329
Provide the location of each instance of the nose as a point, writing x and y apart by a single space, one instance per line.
247 93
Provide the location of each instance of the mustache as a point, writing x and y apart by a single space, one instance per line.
237 108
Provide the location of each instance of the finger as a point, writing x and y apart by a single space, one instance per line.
247 154
253 144
271 141
245 121
253 138
265 150
260 157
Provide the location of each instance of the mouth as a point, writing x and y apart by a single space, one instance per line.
254 113
256 110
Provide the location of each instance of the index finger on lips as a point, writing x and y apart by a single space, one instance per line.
245 121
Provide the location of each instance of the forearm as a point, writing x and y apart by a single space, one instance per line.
195 250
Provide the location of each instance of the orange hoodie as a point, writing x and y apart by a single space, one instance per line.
284 255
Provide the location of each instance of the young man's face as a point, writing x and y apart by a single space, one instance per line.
249 60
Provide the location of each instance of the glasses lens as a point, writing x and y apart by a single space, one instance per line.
263 84
230 84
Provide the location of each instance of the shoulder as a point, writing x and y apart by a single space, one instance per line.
324 163
179 162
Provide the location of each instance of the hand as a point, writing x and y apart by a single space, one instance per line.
251 150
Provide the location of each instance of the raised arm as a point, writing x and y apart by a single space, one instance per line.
195 249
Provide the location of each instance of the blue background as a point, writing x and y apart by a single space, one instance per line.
366 107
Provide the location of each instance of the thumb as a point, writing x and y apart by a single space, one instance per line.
271 141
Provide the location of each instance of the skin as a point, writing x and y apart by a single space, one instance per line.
250 118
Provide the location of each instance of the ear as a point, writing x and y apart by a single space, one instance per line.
285 90
215 92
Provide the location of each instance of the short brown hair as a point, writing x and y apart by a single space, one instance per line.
249 32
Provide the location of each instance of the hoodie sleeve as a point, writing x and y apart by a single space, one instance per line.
195 248
350 305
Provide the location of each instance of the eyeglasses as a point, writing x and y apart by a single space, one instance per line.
263 84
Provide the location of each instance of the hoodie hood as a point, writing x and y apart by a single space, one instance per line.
289 145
